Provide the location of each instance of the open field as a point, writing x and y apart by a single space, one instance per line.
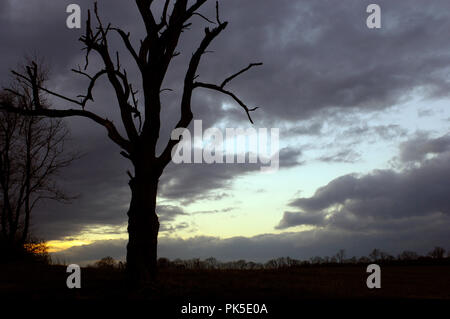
315 282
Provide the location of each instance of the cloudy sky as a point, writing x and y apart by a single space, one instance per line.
363 117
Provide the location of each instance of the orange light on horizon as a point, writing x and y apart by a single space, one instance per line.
55 246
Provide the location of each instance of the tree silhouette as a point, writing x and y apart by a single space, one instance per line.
437 252
31 155
408 255
375 255
340 256
107 262
153 59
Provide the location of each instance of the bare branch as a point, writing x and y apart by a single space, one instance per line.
194 8
45 90
100 45
203 17
164 16
227 80
222 90
88 95
135 109
126 39
33 80
186 111
125 154
217 13
53 113
147 17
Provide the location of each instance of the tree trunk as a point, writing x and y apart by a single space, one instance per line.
143 228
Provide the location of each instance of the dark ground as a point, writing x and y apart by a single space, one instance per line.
290 286
415 281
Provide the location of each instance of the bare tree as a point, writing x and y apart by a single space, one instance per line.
107 262
375 255
340 256
437 253
153 58
408 255
31 155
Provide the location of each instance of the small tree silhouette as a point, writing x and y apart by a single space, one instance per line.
32 153
340 256
106 263
375 255
437 253
408 255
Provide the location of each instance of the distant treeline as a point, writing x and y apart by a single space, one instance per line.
436 256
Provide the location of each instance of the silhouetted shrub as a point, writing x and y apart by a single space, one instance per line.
408 255
376 255
163 263
106 263
34 250
437 253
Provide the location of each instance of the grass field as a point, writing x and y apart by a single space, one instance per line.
314 282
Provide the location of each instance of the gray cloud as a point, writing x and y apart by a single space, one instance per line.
190 182
100 181
304 218
167 215
387 132
169 212
326 62
215 211
384 198
314 128
418 148
318 57
312 60
343 156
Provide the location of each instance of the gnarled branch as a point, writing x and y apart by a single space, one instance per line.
113 133
222 90
126 39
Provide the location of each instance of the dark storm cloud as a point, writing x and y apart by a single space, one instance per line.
309 218
313 60
418 148
317 56
382 199
169 212
99 180
35 27
4 7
